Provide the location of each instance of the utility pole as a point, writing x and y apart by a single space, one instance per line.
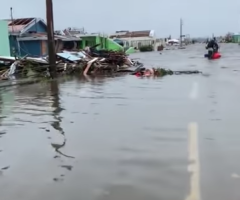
11 13
13 50
51 42
181 24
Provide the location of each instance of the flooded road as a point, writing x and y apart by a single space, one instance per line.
115 138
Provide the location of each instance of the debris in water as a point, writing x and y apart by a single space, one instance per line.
58 179
100 61
5 168
68 167
2 132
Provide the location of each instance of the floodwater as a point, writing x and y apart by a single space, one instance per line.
126 138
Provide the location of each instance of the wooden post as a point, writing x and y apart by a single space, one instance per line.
51 41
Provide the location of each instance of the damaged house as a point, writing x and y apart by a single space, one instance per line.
28 36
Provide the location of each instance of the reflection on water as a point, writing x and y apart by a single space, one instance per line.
103 138
56 115
93 127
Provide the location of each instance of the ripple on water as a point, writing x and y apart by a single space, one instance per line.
26 141
122 137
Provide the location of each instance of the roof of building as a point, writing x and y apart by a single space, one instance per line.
43 36
73 31
126 34
21 25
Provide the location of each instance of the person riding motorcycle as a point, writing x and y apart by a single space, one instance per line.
212 47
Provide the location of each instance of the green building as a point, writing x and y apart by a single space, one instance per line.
105 42
4 39
236 38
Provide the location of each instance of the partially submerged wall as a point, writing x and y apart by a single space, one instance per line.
4 39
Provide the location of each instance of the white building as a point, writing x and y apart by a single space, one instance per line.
136 38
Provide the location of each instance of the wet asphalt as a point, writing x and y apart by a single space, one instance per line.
126 137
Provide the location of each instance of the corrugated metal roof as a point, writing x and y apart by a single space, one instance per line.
68 56
16 28
43 36
21 21
21 25
78 54
17 25
145 33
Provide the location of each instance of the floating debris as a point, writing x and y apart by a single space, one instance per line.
68 167
90 61
2 132
5 168
67 62
58 179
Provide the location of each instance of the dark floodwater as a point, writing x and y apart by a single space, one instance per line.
125 138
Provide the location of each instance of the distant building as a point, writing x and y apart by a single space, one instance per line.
74 31
135 39
236 38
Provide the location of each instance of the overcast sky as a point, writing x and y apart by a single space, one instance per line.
200 17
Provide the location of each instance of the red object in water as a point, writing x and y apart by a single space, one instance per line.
138 74
216 55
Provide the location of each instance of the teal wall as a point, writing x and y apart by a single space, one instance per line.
39 27
30 48
4 40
